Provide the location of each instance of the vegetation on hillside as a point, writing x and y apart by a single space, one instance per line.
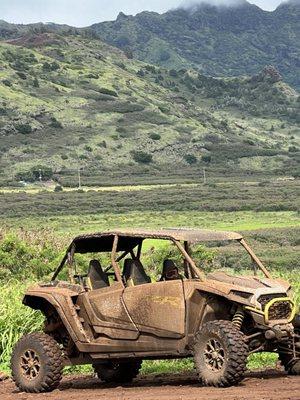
70 102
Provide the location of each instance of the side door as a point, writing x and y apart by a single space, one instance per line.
157 308
107 313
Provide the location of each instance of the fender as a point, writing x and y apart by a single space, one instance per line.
64 306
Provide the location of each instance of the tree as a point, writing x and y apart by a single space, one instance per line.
141 157
190 158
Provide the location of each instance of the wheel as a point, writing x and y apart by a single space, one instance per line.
291 366
220 354
37 363
118 372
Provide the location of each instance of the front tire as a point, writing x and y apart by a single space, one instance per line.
291 366
37 363
220 354
118 372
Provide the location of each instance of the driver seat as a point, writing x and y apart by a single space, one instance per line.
96 277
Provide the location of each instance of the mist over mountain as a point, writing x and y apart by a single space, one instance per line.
193 4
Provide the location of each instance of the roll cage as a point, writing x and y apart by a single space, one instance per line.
130 242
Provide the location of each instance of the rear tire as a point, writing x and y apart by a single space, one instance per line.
118 372
220 354
37 363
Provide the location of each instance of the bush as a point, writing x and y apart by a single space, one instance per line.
6 82
21 75
173 73
141 157
25 129
206 158
108 91
154 136
55 123
58 188
293 149
140 73
190 158
48 67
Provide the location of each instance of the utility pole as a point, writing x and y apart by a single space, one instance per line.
204 176
79 178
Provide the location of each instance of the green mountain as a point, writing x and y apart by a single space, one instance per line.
69 101
218 40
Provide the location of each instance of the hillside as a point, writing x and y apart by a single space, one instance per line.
69 102
220 41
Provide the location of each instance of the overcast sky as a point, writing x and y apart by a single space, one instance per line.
86 12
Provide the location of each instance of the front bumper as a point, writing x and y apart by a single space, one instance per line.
277 310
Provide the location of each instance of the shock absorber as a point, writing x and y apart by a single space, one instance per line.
238 318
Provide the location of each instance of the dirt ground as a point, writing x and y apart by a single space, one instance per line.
259 385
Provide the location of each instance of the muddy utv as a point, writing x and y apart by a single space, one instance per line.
114 314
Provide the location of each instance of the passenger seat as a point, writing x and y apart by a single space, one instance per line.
134 273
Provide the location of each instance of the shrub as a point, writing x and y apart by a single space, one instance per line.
58 188
35 83
21 75
102 144
190 158
6 82
140 73
92 76
293 149
55 123
206 158
110 92
154 136
173 73
48 67
25 129
141 157
150 68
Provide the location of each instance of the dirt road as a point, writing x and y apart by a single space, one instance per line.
270 385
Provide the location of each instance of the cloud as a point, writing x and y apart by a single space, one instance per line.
264 4
218 3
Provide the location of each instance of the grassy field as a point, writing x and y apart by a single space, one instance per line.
236 220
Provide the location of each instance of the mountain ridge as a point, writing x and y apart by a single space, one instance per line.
220 41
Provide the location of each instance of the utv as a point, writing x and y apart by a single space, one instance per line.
114 318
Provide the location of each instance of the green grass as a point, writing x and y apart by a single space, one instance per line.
186 365
239 221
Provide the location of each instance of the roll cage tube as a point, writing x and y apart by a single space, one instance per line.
255 258
69 258
114 262
191 262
